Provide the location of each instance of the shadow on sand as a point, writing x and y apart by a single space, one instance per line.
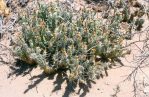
22 68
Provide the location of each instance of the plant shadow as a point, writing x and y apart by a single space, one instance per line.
22 68
61 77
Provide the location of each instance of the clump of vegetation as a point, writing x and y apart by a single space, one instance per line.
59 38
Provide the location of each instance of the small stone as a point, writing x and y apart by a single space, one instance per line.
23 3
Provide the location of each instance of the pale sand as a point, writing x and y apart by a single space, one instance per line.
37 84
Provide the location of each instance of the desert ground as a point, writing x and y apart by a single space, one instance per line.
22 81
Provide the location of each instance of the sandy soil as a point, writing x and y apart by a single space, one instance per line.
14 82
37 84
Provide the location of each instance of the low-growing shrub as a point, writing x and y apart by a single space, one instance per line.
55 37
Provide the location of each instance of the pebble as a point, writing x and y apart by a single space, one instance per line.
23 3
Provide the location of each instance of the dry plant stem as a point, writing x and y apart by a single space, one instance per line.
117 90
